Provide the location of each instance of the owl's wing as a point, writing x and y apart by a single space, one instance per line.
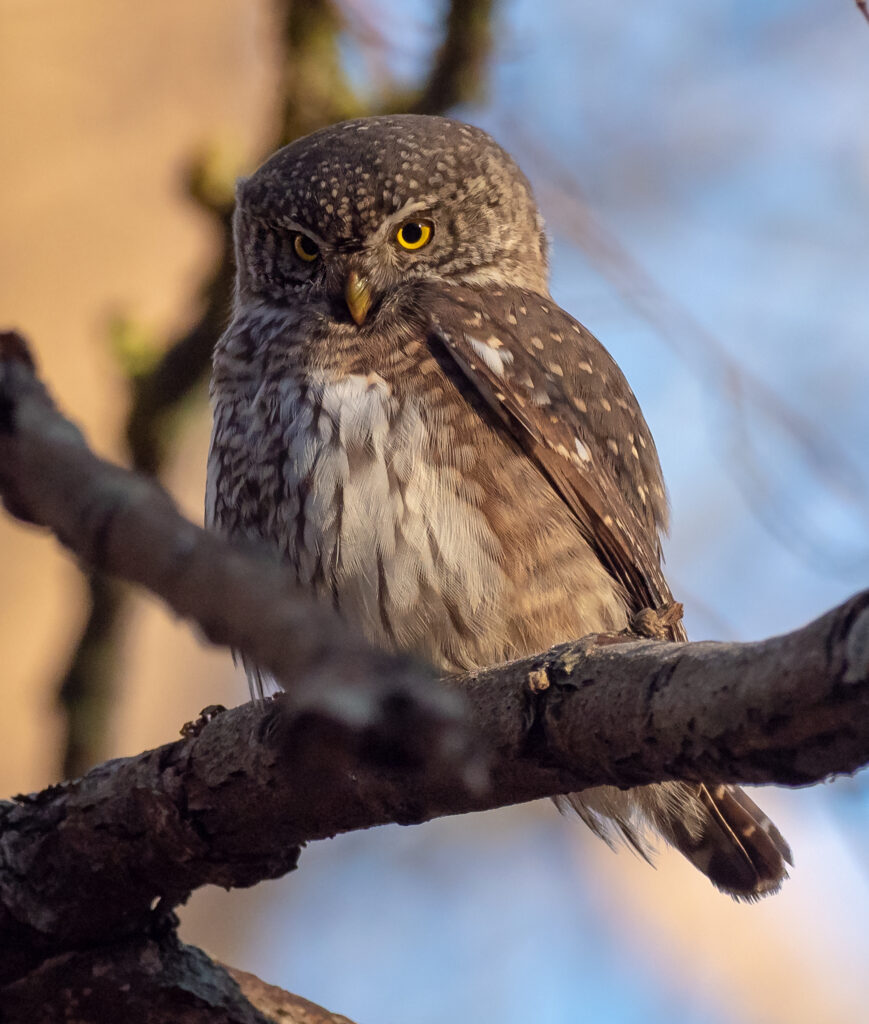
561 395
564 399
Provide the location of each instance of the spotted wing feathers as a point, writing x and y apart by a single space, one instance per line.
567 403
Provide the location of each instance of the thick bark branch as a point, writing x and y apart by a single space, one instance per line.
231 802
148 980
87 860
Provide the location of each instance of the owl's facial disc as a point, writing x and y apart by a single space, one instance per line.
397 200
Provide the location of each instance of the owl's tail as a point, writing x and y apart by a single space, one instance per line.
736 845
720 830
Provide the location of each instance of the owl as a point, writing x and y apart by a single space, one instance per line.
408 419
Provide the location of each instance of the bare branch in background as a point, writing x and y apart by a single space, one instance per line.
458 72
361 739
864 10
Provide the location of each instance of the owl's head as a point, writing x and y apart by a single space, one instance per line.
342 217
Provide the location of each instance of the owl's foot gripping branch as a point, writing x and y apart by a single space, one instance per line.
90 871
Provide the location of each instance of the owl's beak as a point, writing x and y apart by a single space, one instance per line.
357 295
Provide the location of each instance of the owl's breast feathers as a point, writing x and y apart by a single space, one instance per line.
447 479
345 473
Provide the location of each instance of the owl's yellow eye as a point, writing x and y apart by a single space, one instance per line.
414 234
305 248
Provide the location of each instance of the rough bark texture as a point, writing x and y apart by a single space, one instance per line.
85 862
150 981
361 739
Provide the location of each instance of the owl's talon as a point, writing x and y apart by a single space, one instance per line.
656 623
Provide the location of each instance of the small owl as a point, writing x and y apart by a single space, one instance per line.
413 424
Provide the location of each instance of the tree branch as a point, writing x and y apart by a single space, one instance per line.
457 74
793 710
148 980
85 862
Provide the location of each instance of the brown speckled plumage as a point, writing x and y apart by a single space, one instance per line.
437 447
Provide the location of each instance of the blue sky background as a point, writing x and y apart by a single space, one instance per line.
723 149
